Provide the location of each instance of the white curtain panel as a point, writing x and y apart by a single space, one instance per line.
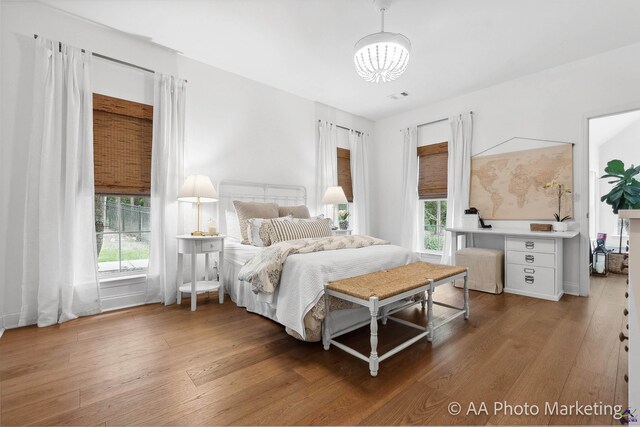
60 277
360 182
459 178
409 208
167 176
327 165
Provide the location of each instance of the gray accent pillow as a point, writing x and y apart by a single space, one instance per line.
247 210
300 211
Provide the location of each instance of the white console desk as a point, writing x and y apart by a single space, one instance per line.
533 264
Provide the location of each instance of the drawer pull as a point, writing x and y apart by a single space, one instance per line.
529 244
622 337
529 279
530 270
529 258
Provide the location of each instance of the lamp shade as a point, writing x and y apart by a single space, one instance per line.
198 189
334 196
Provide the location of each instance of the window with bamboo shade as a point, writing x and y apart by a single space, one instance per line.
433 171
122 133
344 173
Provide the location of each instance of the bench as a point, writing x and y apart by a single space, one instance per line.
378 290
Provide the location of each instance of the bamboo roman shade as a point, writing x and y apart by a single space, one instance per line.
433 171
122 133
344 172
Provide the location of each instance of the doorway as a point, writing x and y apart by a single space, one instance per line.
611 137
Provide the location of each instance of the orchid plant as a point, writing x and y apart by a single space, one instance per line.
560 190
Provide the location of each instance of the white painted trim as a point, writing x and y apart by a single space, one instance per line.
571 288
115 282
130 299
1 332
584 187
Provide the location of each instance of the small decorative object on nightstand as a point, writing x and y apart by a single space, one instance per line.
194 245
342 232
343 214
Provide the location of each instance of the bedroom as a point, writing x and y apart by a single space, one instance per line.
253 119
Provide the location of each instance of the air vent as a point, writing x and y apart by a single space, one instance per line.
404 94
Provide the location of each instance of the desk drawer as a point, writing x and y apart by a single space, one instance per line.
531 244
531 258
539 280
210 246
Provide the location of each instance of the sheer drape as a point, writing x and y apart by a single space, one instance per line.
409 207
167 175
459 178
327 165
60 278
360 182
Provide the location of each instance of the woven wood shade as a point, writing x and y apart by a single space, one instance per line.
122 132
433 170
344 172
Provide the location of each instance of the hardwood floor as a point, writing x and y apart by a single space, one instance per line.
157 365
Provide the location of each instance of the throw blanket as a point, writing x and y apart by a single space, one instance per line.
263 270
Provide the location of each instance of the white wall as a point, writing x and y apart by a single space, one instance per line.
624 146
552 104
235 128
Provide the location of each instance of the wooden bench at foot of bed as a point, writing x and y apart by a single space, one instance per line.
378 290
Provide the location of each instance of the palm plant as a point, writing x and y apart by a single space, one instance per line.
625 194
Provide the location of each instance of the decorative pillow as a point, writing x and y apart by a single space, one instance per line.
247 210
300 211
233 228
259 230
301 229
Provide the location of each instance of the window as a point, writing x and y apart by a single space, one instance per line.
122 132
434 220
344 172
122 233
432 190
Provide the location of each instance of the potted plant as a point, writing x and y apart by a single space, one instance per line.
625 194
560 191
343 214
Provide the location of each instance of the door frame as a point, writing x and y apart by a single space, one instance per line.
585 281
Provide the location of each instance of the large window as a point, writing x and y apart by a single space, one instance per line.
434 220
122 233
122 167
432 190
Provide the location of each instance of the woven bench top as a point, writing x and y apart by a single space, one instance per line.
387 283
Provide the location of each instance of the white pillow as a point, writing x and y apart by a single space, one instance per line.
233 226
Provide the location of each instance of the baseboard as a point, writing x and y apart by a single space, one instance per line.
116 302
571 288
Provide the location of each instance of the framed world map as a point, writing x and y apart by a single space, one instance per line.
510 185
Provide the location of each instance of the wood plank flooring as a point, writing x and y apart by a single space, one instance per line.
157 365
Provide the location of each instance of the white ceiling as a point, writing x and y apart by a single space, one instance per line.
305 46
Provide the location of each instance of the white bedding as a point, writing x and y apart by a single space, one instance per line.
303 278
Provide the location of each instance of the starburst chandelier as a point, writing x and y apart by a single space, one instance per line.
383 56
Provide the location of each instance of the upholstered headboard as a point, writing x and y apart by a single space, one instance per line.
283 195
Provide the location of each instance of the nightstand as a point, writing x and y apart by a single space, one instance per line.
195 245
342 232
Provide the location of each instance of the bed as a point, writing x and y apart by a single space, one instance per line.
296 302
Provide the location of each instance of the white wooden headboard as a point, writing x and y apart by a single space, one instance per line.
283 195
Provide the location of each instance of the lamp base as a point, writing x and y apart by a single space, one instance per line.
197 233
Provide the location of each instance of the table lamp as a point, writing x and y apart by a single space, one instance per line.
334 196
198 189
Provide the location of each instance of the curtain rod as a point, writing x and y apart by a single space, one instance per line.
435 121
346 128
118 61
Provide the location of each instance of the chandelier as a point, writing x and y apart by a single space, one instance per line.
382 57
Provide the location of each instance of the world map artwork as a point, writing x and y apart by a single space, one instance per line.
510 186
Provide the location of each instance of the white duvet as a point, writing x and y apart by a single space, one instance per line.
304 275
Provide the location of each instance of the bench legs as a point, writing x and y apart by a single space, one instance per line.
373 358
326 335
430 327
